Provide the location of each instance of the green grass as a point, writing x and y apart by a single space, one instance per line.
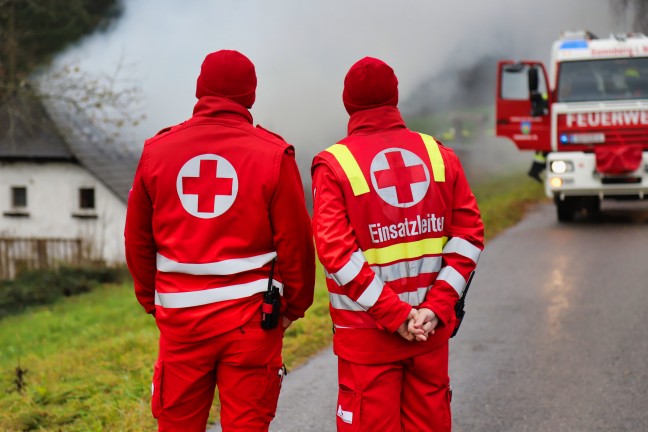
504 201
89 361
89 358
307 336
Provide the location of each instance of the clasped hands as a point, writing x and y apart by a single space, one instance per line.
419 324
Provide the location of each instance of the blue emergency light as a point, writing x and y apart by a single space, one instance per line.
574 44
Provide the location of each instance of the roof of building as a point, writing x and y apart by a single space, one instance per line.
49 132
27 132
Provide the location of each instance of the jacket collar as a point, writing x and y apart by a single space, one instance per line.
375 120
215 106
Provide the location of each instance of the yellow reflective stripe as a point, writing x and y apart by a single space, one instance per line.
438 167
350 167
403 251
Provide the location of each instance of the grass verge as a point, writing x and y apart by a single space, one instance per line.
504 201
88 359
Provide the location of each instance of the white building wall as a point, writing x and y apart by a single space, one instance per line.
53 207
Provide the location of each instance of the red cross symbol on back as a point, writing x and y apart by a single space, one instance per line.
207 185
400 176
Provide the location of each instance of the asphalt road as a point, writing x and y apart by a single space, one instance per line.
554 338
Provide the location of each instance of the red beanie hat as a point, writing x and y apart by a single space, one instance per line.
370 83
227 74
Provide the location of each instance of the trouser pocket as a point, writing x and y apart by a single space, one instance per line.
348 410
156 389
268 402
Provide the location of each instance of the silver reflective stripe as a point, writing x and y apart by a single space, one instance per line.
365 301
225 267
350 270
414 298
453 277
340 301
462 247
404 269
370 295
213 295
346 416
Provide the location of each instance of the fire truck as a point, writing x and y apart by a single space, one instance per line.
587 118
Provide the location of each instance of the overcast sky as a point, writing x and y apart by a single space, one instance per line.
303 48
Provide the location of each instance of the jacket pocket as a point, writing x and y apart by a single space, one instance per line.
156 389
348 410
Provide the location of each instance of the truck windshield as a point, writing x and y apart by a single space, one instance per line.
602 80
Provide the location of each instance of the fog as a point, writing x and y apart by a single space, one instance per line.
302 50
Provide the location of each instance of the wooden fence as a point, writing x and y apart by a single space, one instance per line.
20 254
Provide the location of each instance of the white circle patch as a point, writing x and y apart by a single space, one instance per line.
207 186
400 177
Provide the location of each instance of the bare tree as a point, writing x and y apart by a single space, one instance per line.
107 100
32 32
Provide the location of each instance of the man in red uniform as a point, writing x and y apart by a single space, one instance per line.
398 231
215 204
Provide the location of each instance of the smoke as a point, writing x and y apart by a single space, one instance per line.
632 13
444 53
455 89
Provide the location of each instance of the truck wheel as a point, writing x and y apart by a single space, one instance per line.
565 209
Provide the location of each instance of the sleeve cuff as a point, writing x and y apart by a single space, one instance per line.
401 317
444 313
292 316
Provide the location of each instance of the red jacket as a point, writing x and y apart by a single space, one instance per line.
396 226
214 200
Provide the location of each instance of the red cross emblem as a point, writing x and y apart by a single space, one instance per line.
400 177
207 185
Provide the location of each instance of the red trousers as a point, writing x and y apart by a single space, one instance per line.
412 395
244 363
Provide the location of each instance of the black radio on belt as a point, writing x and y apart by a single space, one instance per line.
459 306
271 303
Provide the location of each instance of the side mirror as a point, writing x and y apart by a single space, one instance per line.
539 106
533 80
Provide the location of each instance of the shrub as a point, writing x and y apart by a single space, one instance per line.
39 287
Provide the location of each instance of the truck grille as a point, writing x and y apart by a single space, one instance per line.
613 136
626 136
620 180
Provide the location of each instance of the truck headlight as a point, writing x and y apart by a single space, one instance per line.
555 182
561 166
